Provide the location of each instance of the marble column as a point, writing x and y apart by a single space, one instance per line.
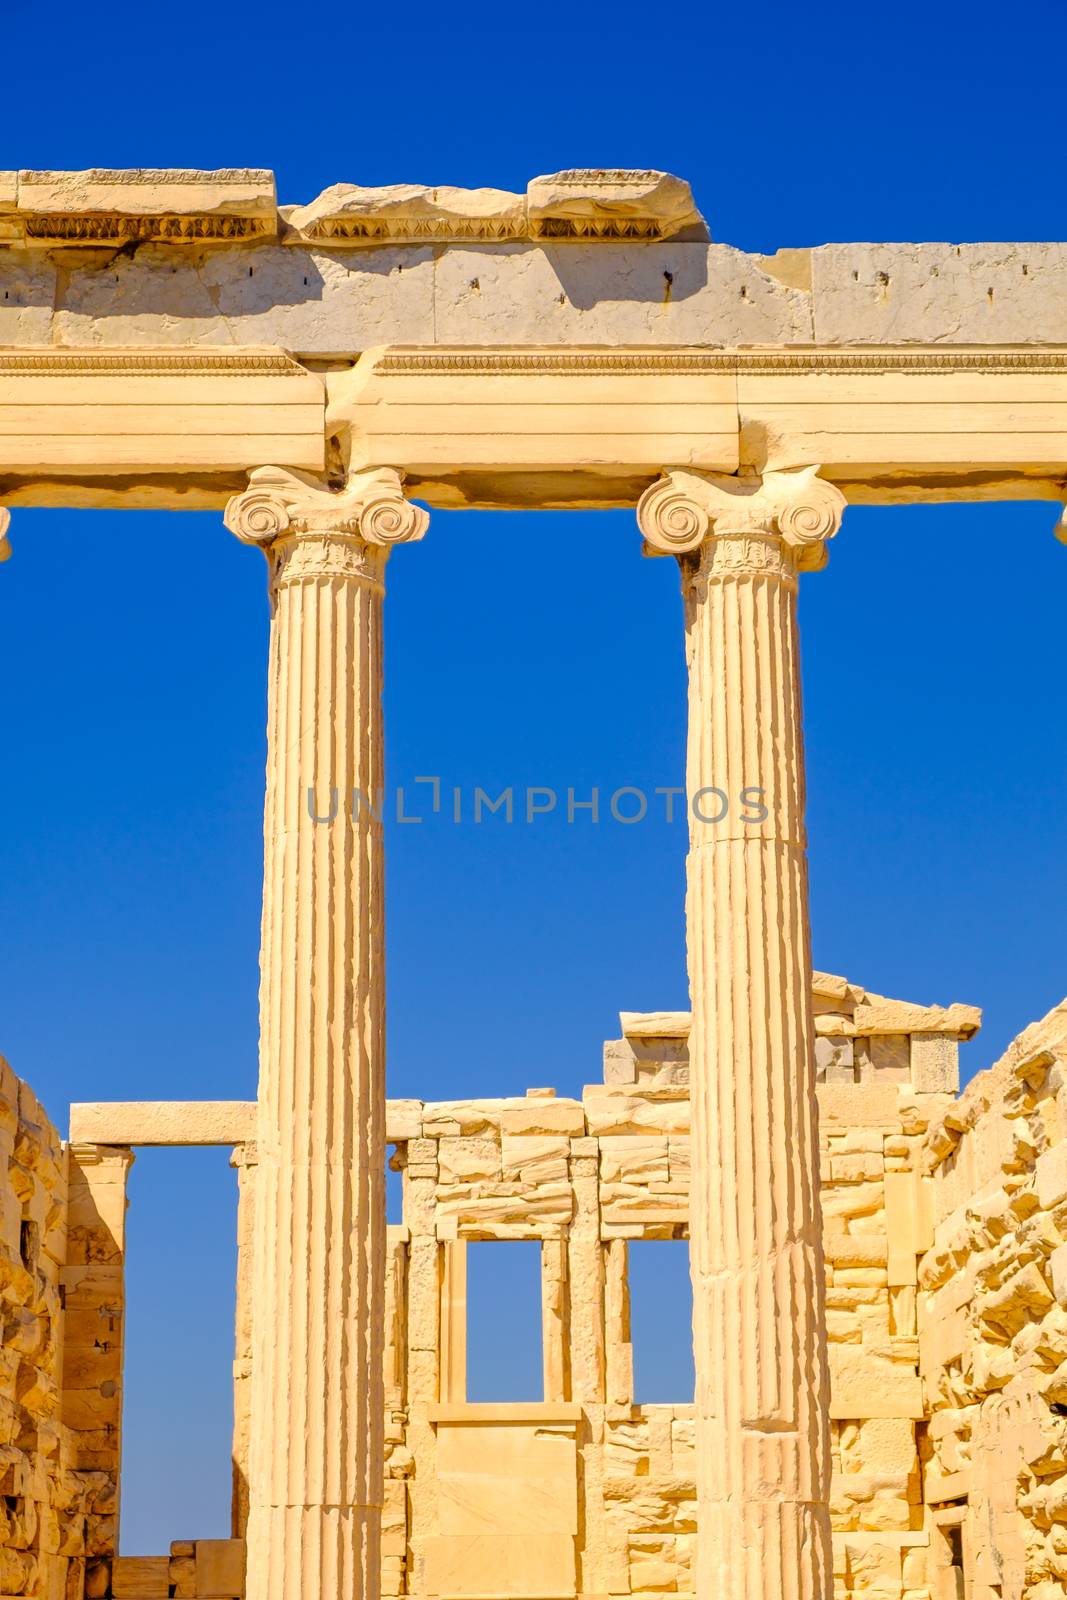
315 1452
759 1320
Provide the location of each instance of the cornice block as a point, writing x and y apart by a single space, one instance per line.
174 206
409 213
589 204
582 204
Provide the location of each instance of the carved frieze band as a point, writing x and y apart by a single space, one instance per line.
310 530
149 363
776 524
650 362
502 362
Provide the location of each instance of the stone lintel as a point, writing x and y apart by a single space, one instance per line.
488 1412
880 1016
859 1013
188 418
655 1024
163 1122
555 425
527 426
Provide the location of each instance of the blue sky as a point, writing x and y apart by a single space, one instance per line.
535 648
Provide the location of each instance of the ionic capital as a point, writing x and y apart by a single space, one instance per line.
5 523
797 508
279 503
310 531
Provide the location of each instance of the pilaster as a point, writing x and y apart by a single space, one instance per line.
94 1317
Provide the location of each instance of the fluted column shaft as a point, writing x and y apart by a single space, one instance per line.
759 1327
315 1456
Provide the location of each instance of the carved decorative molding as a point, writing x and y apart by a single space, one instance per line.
114 206
238 363
105 228
653 362
106 206
415 230
138 177
408 213
580 205
774 523
587 204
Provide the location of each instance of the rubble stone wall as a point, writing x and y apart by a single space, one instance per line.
993 1325
58 1498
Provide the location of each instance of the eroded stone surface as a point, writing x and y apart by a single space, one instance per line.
612 205
236 191
322 301
299 299
27 298
631 294
409 211
940 293
117 206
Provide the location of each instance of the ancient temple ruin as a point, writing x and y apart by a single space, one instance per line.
879 1263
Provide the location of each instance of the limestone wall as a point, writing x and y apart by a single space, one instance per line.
62 1272
586 1178
170 259
59 1498
993 1326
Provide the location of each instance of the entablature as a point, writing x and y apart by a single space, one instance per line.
530 426
588 425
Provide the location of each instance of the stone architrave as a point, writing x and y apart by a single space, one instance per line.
316 1402
762 1400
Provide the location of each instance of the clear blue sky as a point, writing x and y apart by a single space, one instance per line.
520 649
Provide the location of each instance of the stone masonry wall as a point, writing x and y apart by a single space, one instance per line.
993 1326
329 304
47 1510
585 1178
168 259
62 1302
